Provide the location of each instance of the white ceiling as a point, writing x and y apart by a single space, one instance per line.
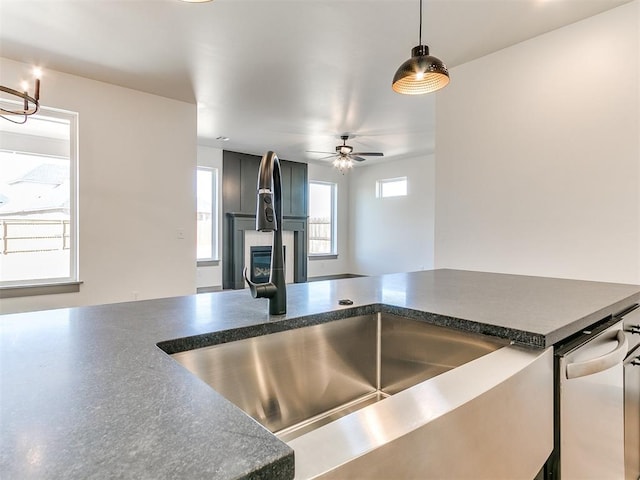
287 76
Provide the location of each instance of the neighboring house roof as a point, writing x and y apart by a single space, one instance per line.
45 198
47 174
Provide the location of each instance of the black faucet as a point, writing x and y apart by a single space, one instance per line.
269 219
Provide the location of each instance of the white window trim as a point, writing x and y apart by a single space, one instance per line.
380 185
334 224
47 286
214 260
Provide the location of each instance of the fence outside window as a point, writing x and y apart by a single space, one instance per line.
33 236
320 235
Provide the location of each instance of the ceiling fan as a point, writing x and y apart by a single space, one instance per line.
344 155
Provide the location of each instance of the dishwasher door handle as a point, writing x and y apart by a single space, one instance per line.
599 364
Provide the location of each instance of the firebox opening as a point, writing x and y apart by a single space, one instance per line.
261 263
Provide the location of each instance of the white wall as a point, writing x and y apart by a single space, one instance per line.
538 155
392 234
137 156
211 276
341 265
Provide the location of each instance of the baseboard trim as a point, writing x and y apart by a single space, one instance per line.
215 288
334 277
218 288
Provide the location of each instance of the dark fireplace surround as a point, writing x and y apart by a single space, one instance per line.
239 178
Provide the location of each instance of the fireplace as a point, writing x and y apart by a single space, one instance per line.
240 235
260 263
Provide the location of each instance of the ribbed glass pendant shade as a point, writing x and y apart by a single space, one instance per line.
422 73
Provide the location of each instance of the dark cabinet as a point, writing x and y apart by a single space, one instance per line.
240 177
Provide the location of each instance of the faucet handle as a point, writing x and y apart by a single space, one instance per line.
259 290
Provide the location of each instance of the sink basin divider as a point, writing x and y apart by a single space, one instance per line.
378 351
294 431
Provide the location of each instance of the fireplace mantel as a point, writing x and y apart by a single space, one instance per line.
234 247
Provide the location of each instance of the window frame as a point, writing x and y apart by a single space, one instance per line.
385 181
333 254
70 283
214 259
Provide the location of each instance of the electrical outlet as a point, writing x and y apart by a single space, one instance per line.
180 234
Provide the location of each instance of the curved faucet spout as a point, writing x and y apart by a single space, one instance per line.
269 219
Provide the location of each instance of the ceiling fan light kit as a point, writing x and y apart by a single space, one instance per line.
422 73
343 164
344 157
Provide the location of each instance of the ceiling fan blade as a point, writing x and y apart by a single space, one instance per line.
333 155
315 151
356 158
368 154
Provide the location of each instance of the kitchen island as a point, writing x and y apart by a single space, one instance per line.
91 392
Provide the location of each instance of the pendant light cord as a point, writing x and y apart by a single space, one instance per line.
420 34
422 73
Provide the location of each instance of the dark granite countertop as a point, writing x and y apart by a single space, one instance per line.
87 393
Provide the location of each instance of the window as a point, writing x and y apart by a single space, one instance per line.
322 218
38 163
391 187
207 224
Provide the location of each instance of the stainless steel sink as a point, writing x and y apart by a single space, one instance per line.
382 396
297 380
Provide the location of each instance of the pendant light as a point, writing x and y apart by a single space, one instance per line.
422 73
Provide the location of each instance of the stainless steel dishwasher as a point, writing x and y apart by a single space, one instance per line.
589 405
631 319
632 415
